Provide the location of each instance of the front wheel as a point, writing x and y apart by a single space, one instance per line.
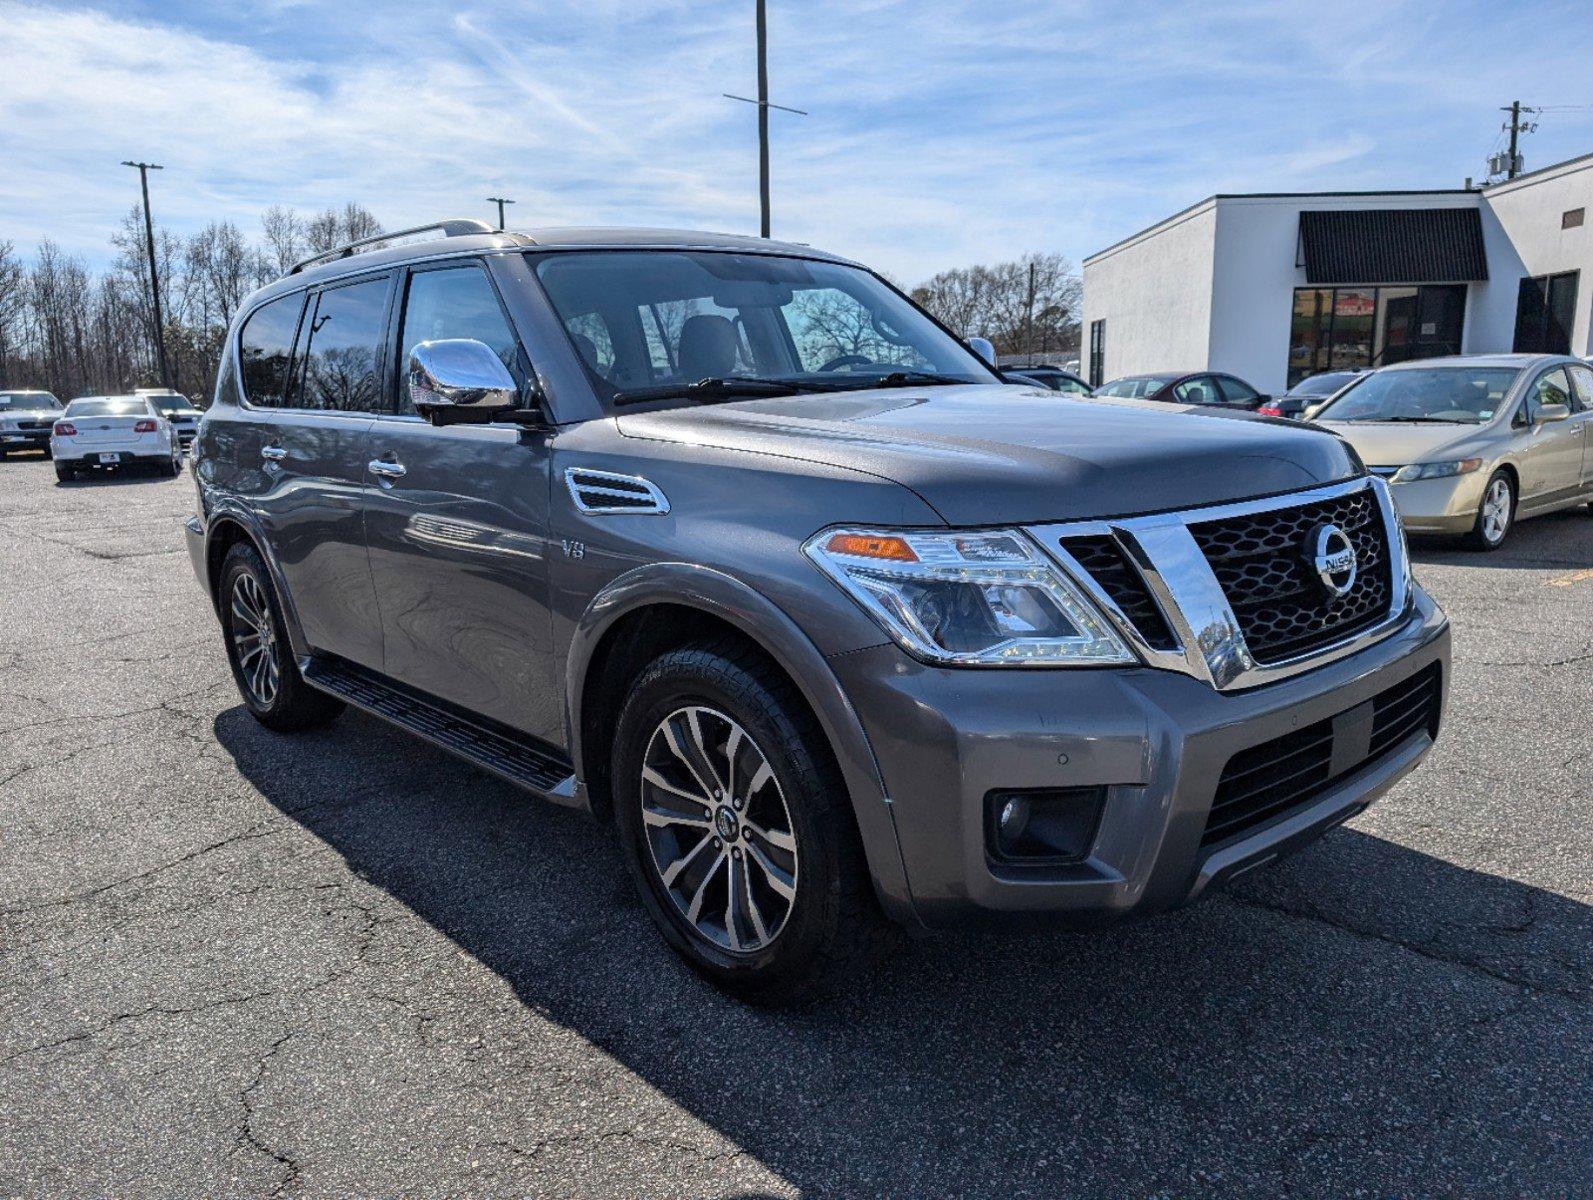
258 650
737 828
1495 515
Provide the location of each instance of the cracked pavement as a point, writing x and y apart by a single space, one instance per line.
234 962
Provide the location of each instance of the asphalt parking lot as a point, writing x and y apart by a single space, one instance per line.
238 963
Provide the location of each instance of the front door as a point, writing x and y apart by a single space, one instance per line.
457 528
1551 459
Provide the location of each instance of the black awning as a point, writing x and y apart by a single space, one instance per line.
1393 245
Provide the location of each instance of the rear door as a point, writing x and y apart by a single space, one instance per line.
457 525
306 427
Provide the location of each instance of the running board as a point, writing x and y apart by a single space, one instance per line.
505 754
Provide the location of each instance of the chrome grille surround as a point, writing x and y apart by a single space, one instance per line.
1210 642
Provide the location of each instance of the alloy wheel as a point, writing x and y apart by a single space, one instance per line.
720 835
254 639
1496 510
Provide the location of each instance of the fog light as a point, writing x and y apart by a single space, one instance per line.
1042 825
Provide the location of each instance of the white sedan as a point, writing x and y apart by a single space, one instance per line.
99 432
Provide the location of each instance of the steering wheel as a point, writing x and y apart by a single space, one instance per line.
845 360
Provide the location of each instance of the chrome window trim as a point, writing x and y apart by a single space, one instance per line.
1211 646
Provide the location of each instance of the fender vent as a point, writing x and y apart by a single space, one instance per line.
604 492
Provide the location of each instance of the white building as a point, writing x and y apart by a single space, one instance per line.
1276 287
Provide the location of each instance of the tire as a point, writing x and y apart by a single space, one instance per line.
268 679
1489 530
65 472
797 947
173 466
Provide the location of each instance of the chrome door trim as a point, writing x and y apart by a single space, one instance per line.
1211 646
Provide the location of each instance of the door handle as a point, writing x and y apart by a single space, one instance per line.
273 453
385 470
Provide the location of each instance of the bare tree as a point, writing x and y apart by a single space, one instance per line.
284 237
995 302
13 307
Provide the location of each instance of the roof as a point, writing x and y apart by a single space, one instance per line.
1393 245
1515 361
575 237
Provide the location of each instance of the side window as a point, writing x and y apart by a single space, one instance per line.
1196 391
1552 387
1582 378
1236 391
266 349
458 302
341 364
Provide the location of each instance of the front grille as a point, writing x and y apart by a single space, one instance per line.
1103 558
1260 561
33 426
1276 778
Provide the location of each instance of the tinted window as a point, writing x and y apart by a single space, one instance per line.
1236 391
171 404
340 368
267 348
1196 391
28 400
455 303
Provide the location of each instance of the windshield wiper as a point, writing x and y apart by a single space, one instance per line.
1426 421
910 379
715 387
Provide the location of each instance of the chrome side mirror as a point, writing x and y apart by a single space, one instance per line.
460 379
983 348
1552 412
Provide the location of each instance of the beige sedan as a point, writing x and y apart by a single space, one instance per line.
1469 445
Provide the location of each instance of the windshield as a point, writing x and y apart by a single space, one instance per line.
28 400
650 323
108 406
1459 395
170 403
1322 385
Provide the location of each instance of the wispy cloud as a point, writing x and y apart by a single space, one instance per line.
941 131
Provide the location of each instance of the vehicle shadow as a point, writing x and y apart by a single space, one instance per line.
1356 1016
1560 539
119 476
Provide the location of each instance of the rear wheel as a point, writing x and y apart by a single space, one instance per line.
737 827
258 650
1495 515
65 471
173 466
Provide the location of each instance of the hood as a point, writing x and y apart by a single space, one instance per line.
1396 444
985 455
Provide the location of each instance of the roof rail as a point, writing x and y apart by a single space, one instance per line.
455 227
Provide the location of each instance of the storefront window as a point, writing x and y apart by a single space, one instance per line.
1351 329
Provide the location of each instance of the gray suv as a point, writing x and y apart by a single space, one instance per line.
728 544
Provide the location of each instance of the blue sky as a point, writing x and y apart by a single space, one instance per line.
941 132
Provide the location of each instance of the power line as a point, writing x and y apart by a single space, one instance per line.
144 168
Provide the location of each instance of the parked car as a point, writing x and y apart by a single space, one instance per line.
833 631
111 432
1046 376
177 409
1472 444
1204 388
1314 389
25 419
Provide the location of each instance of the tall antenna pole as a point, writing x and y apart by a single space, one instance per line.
763 116
500 201
144 168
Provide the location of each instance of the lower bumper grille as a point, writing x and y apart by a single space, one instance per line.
1274 779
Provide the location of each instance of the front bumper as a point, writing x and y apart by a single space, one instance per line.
1156 741
24 439
1447 506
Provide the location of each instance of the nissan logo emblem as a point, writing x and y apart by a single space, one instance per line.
1331 555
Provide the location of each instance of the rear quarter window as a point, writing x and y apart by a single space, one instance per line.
265 349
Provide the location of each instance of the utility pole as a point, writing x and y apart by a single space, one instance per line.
144 168
1515 131
763 115
1028 321
500 201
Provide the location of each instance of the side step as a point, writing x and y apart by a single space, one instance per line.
501 751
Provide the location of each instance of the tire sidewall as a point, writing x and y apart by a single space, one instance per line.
243 560
1510 520
674 681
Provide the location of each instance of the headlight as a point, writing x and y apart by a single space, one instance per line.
1438 470
979 599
